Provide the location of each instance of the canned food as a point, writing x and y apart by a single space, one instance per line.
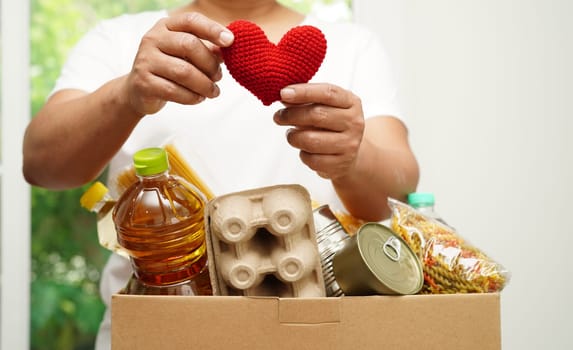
330 237
377 261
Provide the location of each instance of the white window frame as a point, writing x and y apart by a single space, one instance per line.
15 260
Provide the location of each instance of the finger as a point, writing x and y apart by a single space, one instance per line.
317 141
193 50
327 94
202 27
215 50
167 90
326 166
314 115
184 74
154 77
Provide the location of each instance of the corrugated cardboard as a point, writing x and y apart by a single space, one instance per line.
458 321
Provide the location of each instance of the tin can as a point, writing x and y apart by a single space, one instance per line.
330 237
377 261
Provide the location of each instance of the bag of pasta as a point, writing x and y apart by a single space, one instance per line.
451 265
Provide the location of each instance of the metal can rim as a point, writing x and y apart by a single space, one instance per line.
375 270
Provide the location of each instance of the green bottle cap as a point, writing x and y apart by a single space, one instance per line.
150 161
421 199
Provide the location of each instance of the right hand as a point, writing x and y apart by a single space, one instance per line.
178 60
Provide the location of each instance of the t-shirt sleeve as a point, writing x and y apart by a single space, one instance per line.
374 80
92 62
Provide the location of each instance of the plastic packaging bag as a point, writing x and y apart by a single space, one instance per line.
451 265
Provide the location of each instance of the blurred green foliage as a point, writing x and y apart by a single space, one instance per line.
66 256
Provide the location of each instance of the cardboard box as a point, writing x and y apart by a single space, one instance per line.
459 321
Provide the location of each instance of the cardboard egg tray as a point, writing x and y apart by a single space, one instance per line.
262 242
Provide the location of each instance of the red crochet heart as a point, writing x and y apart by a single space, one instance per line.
264 68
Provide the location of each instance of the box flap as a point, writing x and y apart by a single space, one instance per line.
309 310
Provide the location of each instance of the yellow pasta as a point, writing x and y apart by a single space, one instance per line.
451 265
178 166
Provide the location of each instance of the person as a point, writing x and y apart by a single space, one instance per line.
140 79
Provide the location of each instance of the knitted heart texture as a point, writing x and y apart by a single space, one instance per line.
264 68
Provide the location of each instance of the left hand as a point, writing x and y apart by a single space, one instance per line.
328 126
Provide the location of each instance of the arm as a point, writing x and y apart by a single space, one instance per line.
385 167
367 161
76 134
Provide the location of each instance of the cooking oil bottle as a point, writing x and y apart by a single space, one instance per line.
160 223
98 200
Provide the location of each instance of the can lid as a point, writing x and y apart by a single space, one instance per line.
92 195
390 259
150 161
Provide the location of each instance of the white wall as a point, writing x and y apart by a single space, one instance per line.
488 87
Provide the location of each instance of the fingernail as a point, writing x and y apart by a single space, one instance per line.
279 114
218 75
216 91
287 93
226 37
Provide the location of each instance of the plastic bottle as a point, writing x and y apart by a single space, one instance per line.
425 203
160 223
98 200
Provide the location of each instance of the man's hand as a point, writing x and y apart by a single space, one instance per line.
178 60
328 126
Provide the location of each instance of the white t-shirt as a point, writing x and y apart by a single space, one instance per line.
232 139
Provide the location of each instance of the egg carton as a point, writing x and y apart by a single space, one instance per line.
262 242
